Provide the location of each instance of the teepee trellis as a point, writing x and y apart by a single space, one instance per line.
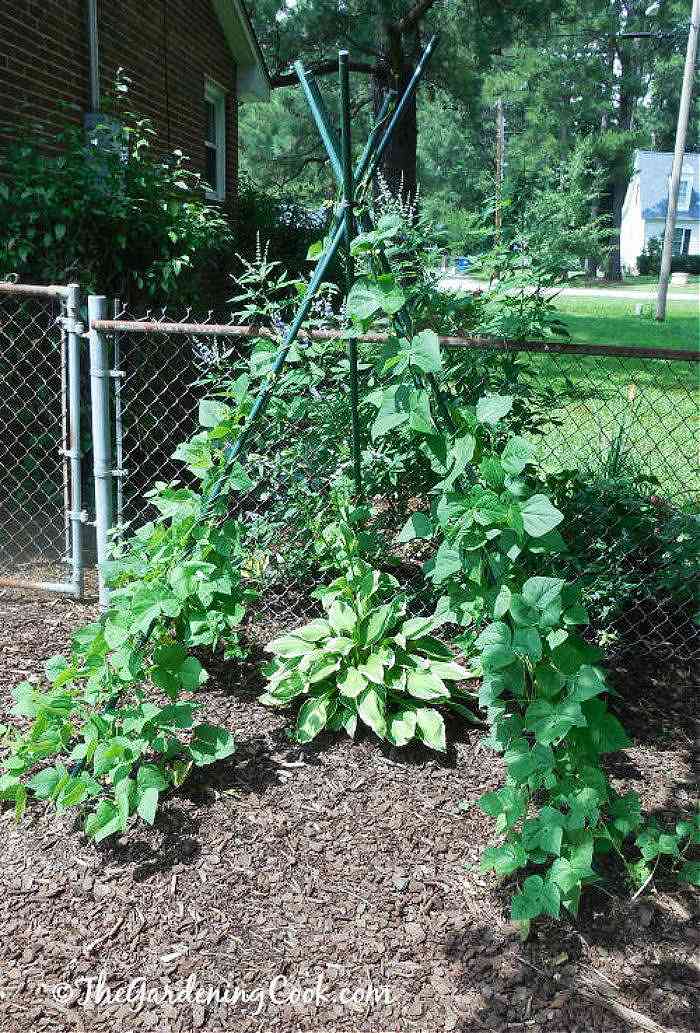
352 185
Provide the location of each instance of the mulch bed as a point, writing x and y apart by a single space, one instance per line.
345 873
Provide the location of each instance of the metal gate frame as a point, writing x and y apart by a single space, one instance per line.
72 331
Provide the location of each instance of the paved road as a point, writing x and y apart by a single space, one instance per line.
467 283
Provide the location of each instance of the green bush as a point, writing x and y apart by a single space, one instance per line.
107 212
289 227
649 262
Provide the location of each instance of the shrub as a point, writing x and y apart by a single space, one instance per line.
649 262
288 226
108 212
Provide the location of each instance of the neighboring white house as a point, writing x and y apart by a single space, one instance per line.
646 202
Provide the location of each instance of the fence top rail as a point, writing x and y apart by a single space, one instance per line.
146 326
35 289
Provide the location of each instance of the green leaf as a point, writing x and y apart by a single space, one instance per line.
450 670
55 666
605 730
373 668
540 592
402 726
586 684
382 620
522 761
570 653
150 776
506 804
690 872
527 643
447 562
516 455
418 525
313 717
369 296
290 646
430 728
626 813
550 722
493 408
148 804
538 897
210 743
103 822
545 832
212 412
44 782
503 860
426 686
386 422
496 634
371 710
177 715
539 515
342 617
424 351
352 684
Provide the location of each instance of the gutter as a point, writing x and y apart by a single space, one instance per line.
94 56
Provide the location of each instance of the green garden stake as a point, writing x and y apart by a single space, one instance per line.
348 205
401 321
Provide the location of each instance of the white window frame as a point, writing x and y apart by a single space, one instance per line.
680 245
686 181
216 95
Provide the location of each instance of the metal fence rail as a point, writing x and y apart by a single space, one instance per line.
41 512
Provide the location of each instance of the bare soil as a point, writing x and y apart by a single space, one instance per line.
345 874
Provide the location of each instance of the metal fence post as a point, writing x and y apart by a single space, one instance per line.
101 437
77 515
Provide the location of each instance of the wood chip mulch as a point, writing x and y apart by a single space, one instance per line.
334 888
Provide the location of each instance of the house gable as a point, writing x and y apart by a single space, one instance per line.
654 170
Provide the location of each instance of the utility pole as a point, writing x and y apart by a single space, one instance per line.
500 162
679 151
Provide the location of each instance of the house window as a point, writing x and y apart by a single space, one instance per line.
681 242
215 141
684 193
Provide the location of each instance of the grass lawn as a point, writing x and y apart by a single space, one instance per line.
654 403
612 321
641 283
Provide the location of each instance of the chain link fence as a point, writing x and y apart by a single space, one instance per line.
40 502
616 432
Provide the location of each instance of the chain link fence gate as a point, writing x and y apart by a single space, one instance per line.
617 434
41 514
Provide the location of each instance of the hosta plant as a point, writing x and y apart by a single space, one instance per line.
367 661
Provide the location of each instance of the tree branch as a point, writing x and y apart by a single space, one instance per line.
414 15
322 68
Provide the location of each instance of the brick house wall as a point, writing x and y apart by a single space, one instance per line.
168 48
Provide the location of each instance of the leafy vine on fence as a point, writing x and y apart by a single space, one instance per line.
543 686
118 720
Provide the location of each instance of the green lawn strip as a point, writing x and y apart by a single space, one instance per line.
613 321
654 401
640 283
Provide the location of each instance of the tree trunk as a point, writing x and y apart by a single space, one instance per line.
398 166
617 199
